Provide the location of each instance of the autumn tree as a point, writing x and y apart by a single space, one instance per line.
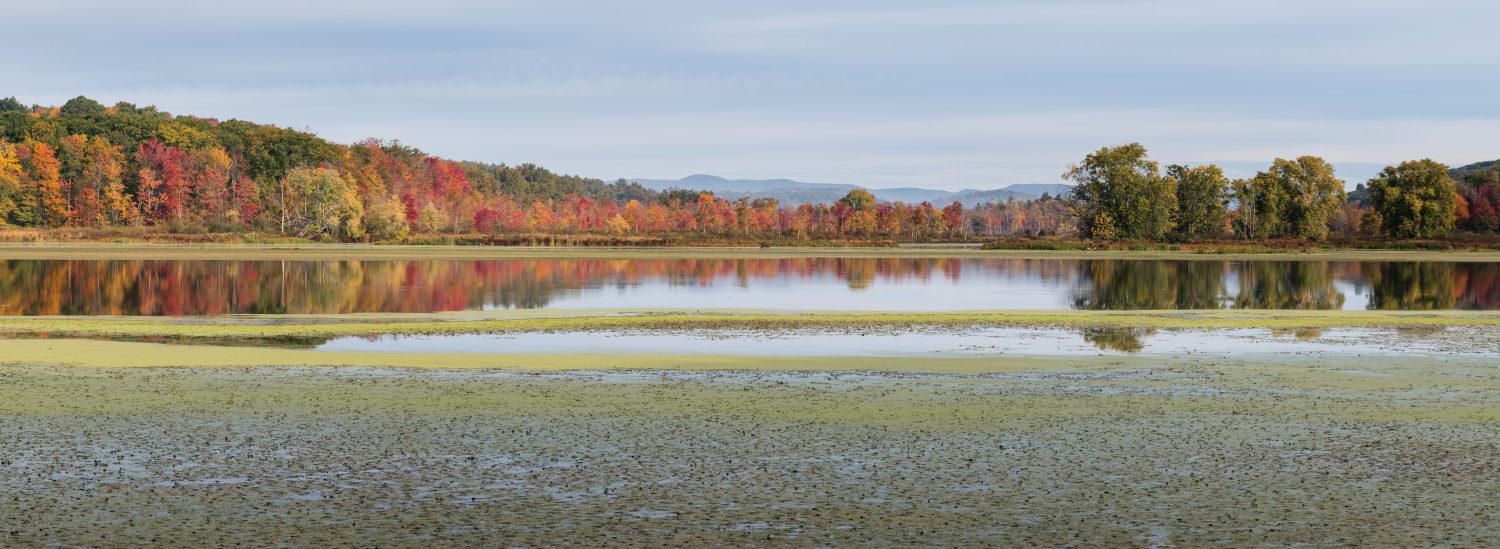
384 221
207 176
10 183
1481 190
1415 199
164 186
319 203
1119 193
953 218
48 203
93 172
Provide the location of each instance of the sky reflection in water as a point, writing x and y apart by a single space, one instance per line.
197 287
937 343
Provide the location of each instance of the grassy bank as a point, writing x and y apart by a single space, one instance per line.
123 354
1457 242
313 252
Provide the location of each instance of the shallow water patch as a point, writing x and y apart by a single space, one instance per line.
975 342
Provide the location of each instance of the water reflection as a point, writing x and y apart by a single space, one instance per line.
1413 287
1131 284
977 342
1124 340
1288 285
195 287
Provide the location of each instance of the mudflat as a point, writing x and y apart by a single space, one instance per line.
1118 451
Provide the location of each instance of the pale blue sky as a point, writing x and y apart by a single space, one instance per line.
939 93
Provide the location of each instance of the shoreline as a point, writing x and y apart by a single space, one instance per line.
307 330
315 252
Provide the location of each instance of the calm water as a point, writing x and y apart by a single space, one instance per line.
941 343
195 287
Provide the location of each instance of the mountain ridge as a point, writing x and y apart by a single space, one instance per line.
791 192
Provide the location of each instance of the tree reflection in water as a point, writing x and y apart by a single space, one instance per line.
1301 335
1305 285
1412 286
1123 284
1125 340
200 287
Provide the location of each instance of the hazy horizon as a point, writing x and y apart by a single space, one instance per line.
1353 173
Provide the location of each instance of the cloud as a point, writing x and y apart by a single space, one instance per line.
945 93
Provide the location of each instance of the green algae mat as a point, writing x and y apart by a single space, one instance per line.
1116 451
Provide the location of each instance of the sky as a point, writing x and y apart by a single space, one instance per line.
938 94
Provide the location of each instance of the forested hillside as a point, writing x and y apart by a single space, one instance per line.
85 165
1477 167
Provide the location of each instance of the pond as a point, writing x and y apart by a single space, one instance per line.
205 287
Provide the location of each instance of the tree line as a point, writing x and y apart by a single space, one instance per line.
83 164
1119 193
87 165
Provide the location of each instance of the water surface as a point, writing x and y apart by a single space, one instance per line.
201 287
948 342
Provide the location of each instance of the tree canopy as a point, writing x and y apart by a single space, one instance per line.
1293 198
1415 199
1120 194
1202 201
86 165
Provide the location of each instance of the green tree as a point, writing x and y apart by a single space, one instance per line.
858 199
1202 200
1296 198
1120 193
684 196
1415 199
185 136
10 104
269 152
81 106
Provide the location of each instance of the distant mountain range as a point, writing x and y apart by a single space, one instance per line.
792 192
